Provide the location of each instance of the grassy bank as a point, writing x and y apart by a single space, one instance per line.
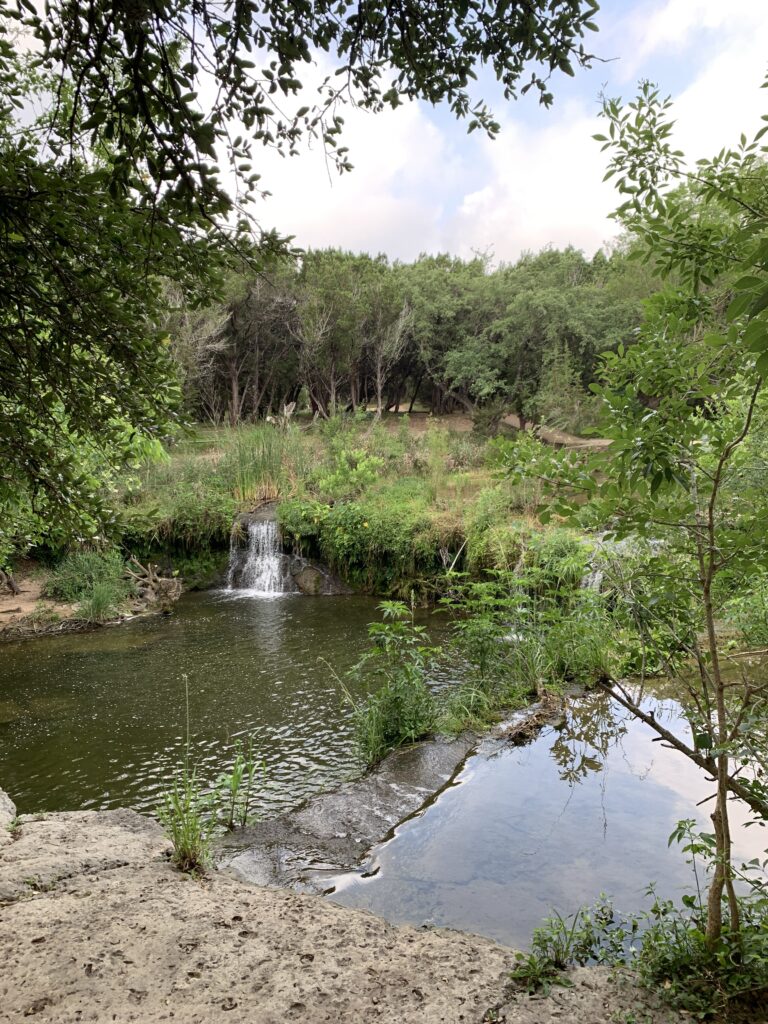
388 505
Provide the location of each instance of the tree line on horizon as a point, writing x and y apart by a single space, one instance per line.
337 331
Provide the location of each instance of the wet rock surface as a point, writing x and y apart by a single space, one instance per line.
315 580
304 848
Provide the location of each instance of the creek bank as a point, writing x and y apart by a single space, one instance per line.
29 613
95 924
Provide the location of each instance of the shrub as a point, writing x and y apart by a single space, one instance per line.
591 935
78 572
402 709
351 472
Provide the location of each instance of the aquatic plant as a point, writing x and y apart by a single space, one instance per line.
233 791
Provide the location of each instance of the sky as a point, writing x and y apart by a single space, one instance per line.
421 184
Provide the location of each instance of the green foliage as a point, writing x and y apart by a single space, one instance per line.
185 813
401 709
749 612
351 473
95 580
382 547
233 791
591 935
102 603
160 140
725 980
667 945
77 573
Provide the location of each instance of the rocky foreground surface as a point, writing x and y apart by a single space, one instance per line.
96 925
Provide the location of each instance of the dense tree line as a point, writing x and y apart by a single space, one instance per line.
338 331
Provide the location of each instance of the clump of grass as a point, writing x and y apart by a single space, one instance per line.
185 813
192 813
103 602
234 790
253 465
93 579
78 572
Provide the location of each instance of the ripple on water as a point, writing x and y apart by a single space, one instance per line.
98 718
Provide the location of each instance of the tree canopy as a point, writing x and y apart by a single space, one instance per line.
119 184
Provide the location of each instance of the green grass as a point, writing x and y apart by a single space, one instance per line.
94 580
389 510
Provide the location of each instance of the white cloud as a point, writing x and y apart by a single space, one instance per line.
423 185
677 27
544 188
391 201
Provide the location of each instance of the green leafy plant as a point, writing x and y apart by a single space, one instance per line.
401 709
185 812
351 472
79 571
233 791
593 934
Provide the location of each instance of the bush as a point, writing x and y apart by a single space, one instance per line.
78 572
402 709
94 580
352 471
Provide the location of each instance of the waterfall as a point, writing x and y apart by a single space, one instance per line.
260 568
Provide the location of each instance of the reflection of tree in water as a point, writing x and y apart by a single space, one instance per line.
589 730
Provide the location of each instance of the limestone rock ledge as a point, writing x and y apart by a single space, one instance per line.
95 924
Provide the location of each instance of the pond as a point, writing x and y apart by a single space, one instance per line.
97 720
523 831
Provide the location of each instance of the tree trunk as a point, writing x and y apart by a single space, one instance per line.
415 392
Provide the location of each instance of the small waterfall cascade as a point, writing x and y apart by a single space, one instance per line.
259 568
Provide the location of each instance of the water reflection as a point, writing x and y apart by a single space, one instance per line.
590 729
509 842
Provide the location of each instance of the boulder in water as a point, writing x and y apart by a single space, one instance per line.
316 581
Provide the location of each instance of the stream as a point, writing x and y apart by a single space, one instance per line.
97 720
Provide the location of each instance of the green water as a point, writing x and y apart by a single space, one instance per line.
97 719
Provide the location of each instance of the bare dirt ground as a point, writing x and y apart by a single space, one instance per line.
420 422
30 602
96 925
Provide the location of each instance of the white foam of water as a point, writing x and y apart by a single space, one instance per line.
263 573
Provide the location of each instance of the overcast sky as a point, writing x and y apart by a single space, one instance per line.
420 184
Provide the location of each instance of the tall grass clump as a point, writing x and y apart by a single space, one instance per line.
401 709
185 813
192 813
254 466
234 791
78 572
94 580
